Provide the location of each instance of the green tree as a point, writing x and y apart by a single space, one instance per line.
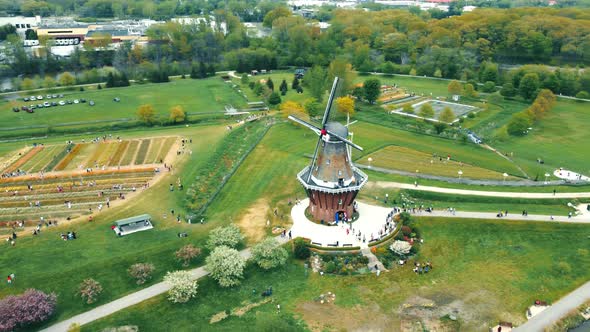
67 79
372 90
226 265
489 87
48 82
426 111
508 90
447 115
271 16
274 98
455 87
518 124
529 85
269 254
27 84
300 249
295 83
407 108
312 107
315 79
343 70
270 84
284 87
146 114
469 91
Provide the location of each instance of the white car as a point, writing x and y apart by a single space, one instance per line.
61 103
46 104
33 98
48 96
39 97
76 101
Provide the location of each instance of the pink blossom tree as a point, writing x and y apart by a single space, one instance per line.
33 306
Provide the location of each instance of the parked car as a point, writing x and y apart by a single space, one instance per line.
117 99
24 108
91 103
82 100
48 96
15 109
26 99
61 95
69 102
39 106
76 101
30 110
46 104
33 98
32 107
39 97
53 96
54 103
61 103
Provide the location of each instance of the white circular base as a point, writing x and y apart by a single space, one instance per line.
371 220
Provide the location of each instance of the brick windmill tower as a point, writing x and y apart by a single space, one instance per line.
331 181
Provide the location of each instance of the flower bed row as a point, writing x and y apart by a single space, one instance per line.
28 178
59 157
142 153
64 162
165 148
130 155
116 159
21 161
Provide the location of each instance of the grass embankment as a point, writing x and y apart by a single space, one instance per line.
48 263
484 271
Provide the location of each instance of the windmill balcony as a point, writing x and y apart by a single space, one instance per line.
333 187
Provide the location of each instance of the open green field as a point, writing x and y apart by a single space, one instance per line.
195 96
486 270
560 139
405 159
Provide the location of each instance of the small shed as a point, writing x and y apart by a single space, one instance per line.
133 224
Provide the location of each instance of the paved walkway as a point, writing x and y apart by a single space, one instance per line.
557 310
373 260
132 299
582 218
371 220
399 185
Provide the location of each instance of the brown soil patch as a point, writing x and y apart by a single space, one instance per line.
253 222
329 317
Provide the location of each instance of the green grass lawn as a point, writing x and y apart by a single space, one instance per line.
560 139
48 263
409 160
195 96
488 270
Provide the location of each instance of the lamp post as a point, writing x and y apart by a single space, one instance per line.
546 176
505 175
370 160
460 173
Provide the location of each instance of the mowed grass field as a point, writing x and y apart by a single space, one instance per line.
409 160
48 263
195 96
561 139
484 271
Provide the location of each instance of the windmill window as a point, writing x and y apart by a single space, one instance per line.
328 162
340 201
339 172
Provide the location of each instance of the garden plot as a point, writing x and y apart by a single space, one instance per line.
438 106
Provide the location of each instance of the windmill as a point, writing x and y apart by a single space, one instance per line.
331 181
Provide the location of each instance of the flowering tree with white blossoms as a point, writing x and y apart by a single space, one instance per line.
226 266
183 288
401 248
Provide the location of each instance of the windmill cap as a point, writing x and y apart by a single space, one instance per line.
337 129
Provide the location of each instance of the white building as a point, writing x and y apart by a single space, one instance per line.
21 23
197 20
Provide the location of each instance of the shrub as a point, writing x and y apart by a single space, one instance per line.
489 87
300 249
269 254
74 327
229 236
583 95
226 265
406 230
186 254
142 272
89 290
182 286
405 218
33 306
274 99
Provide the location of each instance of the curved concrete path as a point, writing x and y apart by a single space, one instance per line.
557 310
399 185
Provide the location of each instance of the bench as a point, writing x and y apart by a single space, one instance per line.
316 244
347 245
332 245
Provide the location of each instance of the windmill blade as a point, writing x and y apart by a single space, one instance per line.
330 101
344 140
306 124
315 155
